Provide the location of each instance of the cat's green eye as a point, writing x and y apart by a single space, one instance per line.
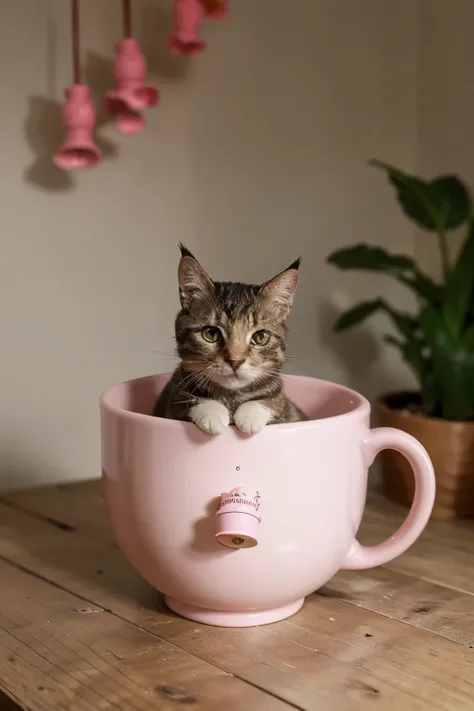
260 338
211 334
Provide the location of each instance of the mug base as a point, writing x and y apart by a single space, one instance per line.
220 618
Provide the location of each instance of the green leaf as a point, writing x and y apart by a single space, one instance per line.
367 257
453 363
452 200
467 341
459 289
405 323
438 205
370 258
412 194
357 314
412 352
425 287
413 347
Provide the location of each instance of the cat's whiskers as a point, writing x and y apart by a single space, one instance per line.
267 378
201 378
182 387
209 374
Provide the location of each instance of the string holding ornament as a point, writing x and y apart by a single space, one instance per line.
131 95
78 113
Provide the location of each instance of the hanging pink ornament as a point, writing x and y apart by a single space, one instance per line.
130 72
129 122
187 20
131 94
79 150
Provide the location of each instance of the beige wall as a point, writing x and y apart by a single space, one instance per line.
257 154
445 99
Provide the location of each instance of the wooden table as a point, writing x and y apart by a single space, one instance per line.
81 631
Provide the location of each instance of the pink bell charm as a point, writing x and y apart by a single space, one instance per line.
129 122
78 151
78 114
187 19
130 72
131 94
238 519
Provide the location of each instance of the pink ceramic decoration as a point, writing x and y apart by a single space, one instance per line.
79 150
129 122
163 483
238 518
78 113
131 93
187 19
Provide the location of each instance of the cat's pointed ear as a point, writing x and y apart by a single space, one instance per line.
280 291
194 283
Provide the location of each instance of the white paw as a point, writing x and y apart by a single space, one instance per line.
210 416
251 417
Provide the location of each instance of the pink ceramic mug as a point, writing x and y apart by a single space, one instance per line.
164 479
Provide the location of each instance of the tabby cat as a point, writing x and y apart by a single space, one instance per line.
231 339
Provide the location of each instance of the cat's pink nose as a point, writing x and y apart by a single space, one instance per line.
235 364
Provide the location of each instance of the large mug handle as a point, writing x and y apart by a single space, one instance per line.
363 557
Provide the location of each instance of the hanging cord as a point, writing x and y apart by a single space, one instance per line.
76 52
127 18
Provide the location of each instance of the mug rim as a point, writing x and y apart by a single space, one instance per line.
362 408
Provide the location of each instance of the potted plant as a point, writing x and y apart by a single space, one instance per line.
436 341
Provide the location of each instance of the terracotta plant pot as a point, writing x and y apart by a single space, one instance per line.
450 446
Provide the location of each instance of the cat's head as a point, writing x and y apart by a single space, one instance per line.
231 334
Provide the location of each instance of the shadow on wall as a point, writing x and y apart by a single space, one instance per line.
44 135
19 466
43 127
